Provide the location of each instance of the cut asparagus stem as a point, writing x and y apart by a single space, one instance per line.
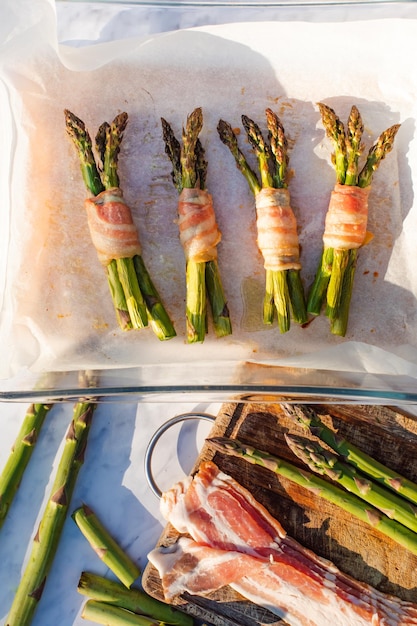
320 487
118 296
339 317
334 278
11 475
203 280
217 300
158 317
307 417
327 463
46 540
281 299
108 615
126 276
196 301
103 590
134 298
284 293
106 548
318 291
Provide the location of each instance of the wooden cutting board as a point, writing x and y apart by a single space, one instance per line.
387 434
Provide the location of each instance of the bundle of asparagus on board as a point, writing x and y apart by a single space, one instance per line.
276 222
113 232
359 484
347 215
199 232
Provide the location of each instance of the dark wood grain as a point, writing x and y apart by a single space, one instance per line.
387 434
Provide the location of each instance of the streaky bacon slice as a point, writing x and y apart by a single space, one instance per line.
277 230
347 217
285 577
199 232
199 569
111 225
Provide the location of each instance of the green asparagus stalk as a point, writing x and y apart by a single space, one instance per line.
135 298
307 417
135 600
103 613
333 282
326 463
203 280
284 293
105 546
18 460
319 487
46 540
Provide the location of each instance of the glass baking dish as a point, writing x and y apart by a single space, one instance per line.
245 70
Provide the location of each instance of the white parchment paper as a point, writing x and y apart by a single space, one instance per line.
56 311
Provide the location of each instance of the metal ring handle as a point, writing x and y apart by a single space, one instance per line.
183 417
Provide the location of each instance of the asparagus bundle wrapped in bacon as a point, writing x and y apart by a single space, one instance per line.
276 222
347 216
113 232
199 232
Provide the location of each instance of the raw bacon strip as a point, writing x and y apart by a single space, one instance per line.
347 217
188 566
199 233
112 229
277 230
294 582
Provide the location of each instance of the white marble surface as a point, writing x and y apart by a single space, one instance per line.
112 479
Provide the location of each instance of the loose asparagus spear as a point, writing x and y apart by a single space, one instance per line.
46 540
327 463
203 280
103 590
107 549
320 487
20 455
283 289
134 295
307 417
103 613
333 282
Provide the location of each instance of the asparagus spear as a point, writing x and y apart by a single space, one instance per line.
20 455
320 487
103 590
307 417
284 292
326 463
135 298
333 282
103 613
46 540
203 280
107 549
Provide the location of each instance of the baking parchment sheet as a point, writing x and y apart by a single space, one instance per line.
57 313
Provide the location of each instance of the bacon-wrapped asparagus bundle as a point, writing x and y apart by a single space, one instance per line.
347 216
276 222
113 232
199 232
